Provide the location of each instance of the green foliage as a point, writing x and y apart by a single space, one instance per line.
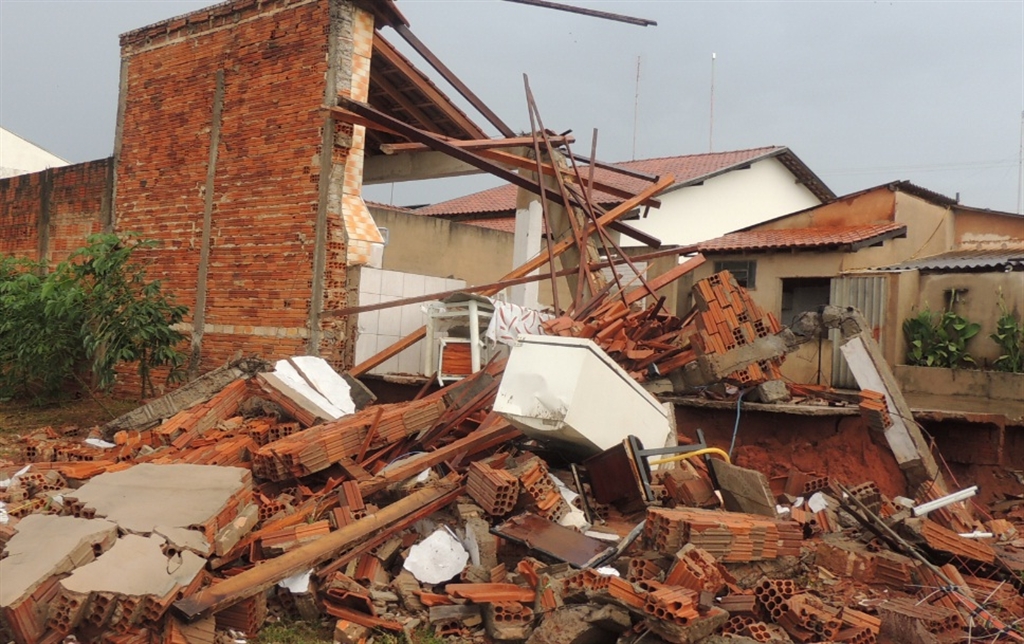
939 340
295 633
1009 336
92 312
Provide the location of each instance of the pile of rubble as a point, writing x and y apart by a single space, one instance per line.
544 498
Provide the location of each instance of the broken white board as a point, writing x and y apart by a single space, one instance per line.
308 397
327 382
570 393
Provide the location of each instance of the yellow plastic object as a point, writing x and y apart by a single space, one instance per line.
699 452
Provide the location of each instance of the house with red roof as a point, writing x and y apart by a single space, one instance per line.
713 193
891 251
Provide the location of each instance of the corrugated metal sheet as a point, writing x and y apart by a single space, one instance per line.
868 294
997 259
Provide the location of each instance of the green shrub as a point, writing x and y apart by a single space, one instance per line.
91 313
939 341
1009 336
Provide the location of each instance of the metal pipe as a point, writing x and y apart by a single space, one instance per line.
942 502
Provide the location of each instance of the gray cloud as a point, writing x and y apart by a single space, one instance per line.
864 92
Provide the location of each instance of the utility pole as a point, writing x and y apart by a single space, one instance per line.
636 105
711 120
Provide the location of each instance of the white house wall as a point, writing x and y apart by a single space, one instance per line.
18 156
724 203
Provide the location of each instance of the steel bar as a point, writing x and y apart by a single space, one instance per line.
593 13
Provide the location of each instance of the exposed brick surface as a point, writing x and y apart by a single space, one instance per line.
74 196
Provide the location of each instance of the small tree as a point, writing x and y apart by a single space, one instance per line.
95 310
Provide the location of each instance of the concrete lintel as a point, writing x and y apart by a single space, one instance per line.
413 166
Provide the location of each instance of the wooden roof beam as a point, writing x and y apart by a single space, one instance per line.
475 144
453 80
389 53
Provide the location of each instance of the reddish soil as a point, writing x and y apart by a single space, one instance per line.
848 454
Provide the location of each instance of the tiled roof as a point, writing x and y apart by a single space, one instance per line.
687 170
806 238
965 260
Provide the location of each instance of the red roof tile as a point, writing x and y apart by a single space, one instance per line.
687 169
761 240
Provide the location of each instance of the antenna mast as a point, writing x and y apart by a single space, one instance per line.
1020 169
636 105
711 123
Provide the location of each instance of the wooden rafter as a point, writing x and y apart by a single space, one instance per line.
383 48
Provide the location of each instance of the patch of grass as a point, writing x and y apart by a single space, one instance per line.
20 418
295 633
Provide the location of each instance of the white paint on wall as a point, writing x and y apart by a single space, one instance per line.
732 200
18 156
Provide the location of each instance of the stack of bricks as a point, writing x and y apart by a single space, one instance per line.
728 536
247 616
537 491
697 570
685 486
191 423
677 605
874 410
494 490
858 627
803 484
737 624
728 318
807 619
935 619
317 448
641 568
772 595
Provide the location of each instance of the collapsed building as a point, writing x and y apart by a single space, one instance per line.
537 490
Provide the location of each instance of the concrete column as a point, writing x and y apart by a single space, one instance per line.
527 244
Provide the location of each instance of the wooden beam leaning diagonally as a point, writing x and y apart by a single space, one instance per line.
521 271
388 52
375 119
453 80
517 161
255 580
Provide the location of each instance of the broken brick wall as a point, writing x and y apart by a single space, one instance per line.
48 214
220 130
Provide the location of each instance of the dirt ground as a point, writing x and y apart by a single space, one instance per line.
20 418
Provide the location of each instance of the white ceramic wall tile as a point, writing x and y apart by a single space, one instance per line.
370 280
392 283
368 298
368 321
390 322
413 284
366 346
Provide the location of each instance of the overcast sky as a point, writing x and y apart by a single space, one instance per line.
863 92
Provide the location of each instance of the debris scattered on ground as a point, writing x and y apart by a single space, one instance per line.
556 504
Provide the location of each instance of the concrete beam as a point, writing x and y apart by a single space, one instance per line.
413 166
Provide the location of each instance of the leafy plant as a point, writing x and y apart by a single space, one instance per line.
1009 336
939 341
91 313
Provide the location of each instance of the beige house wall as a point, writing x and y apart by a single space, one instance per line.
975 229
977 301
440 248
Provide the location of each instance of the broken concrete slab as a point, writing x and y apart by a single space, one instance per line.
142 497
136 566
580 624
47 545
744 490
